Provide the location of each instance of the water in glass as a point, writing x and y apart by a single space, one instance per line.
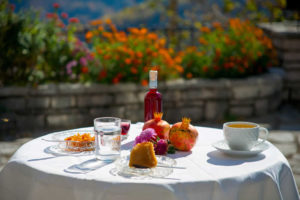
108 141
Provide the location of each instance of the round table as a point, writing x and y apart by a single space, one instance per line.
203 173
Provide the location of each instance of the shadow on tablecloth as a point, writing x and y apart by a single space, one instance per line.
218 158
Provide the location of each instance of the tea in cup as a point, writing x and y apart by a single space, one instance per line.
243 135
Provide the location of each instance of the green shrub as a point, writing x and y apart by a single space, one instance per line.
240 50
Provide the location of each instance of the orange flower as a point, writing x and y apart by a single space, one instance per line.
134 30
179 68
189 75
108 21
148 51
217 25
84 70
143 31
234 23
106 57
100 28
133 70
121 36
88 35
178 59
203 41
116 80
107 35
162 42
171 50
130 52
99 51
218 52
200 53
155 68
96 22
128 61
144 82
204 68
204 29
139 54
152 36
258 32
191 49
259 54
113 28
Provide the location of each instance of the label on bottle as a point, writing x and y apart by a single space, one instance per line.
153 79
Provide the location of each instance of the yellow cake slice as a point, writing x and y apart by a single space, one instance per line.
143 155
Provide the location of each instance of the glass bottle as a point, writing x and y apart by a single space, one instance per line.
153 99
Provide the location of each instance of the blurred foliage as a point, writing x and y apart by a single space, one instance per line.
237 51
259 11
19 44
36 51
39 50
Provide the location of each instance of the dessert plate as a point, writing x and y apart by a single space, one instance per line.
223 147
164 168
60 136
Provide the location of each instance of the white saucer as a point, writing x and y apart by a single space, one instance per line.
164 168
223 147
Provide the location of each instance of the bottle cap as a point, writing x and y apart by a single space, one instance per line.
153 79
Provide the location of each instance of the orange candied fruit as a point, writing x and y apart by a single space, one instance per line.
86 137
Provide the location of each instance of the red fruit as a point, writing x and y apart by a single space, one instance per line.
160 126
183 135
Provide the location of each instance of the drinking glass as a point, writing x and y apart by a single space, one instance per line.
125 126
108 138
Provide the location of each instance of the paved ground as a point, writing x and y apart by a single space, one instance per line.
284 127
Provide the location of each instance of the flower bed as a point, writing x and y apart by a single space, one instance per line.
49 51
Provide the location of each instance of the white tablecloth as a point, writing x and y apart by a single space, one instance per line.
34 174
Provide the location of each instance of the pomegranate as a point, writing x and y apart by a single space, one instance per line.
160 126
183 135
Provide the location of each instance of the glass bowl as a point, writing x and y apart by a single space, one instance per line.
72 145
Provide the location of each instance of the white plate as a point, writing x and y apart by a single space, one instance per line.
163 168
223 147
58 151
60 136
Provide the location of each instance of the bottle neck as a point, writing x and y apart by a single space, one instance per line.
153 84
153 79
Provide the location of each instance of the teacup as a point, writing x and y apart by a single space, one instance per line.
243 135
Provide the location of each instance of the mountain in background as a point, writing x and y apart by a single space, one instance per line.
124 13
138 13
85 10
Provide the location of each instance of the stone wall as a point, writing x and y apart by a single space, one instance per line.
50 107
286 39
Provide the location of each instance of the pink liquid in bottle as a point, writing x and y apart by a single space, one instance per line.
153 99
